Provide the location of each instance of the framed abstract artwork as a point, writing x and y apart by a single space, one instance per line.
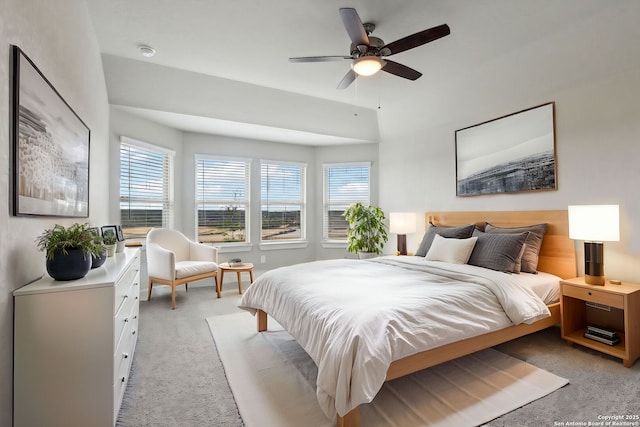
510 154
50 147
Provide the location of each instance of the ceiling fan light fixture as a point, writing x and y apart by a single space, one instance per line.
367 65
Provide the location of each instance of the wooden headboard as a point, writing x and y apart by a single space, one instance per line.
557 254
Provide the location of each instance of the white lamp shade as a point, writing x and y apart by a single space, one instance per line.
367 65
594 223
402 222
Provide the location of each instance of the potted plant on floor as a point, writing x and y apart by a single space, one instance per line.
69 250
367 231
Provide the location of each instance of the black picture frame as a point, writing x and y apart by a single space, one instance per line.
50 147
511 154
109 228
119 234
116 229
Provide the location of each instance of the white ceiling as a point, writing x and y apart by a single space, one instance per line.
251 40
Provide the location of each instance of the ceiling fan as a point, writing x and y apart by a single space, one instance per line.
367 51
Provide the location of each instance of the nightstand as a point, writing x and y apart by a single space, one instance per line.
610 306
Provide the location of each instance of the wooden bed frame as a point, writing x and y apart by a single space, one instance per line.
557 256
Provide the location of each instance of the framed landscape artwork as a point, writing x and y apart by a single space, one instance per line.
50 145
510 154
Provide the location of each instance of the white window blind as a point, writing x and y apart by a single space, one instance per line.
145 188
282 200
344 184
222 199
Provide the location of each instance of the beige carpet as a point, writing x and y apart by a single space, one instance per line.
273 382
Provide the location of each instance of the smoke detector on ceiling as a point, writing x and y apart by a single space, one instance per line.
147 51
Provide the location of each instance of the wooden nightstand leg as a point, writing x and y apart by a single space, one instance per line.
627 363
251 276
239 283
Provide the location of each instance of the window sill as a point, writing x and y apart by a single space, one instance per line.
231 248
334 244
275 246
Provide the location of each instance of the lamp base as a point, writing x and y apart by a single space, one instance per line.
402 244
593 280
594 263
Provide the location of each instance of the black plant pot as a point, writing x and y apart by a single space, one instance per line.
99 260
74 265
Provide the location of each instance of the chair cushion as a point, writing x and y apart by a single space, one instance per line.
193 268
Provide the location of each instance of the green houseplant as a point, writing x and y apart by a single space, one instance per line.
110 242
69 250
367 231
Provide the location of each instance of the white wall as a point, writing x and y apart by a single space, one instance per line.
59 38
594 79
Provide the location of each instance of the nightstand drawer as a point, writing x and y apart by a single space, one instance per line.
592 295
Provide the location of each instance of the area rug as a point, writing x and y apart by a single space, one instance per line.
273 382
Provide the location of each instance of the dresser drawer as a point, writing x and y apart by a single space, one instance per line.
592 295
130 276
125 348
123 315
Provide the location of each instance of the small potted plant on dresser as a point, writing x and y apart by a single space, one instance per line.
110 241
69 250
367 231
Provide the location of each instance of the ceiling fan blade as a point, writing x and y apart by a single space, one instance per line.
354 27
348 78
318 58
400 70
418 39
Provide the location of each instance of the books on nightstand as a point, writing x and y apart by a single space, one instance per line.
603 335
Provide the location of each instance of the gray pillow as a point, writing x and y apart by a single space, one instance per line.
497 251
463 232
533 243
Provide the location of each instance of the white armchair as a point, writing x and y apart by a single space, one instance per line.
173 259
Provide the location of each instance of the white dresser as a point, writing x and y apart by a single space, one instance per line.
74 343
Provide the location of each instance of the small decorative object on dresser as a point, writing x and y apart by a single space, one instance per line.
109 237
602 317
69 250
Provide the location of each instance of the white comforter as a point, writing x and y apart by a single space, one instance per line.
354 317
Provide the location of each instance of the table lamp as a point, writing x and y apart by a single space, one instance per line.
594 224
402 223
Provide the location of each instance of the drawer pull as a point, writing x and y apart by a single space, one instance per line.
126 319
135 317
125 355
123 379
135 284
590 293
133 333
126 296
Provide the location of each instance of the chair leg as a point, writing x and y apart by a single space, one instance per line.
173 297
149 293
186 287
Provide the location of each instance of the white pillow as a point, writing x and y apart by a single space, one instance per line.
455 251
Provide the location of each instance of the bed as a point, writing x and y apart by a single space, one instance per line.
366 322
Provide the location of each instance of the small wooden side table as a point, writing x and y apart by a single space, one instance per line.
615 307
237 268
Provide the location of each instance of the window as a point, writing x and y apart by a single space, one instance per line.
146 195
283 201
344 184
222 199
